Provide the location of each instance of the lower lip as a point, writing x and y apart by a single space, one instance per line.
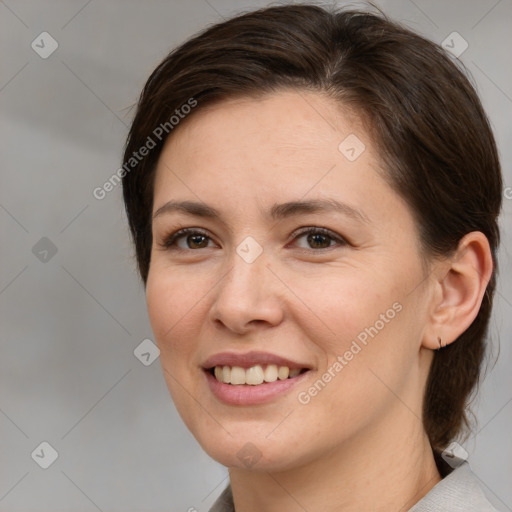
245 394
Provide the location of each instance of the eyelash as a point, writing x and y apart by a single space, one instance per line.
170 240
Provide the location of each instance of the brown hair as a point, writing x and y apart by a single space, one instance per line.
421 111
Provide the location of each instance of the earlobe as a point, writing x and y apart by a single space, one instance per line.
459 291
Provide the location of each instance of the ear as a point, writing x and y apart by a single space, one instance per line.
459 290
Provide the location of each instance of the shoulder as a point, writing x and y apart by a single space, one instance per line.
224 502
459 491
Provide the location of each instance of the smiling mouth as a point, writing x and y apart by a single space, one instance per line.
254 375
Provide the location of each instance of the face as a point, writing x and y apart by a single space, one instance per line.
299 260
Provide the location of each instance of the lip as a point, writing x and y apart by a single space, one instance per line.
248 359
245 394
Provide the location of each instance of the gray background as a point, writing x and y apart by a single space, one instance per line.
69 325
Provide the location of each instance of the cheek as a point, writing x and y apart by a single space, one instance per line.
173 307
341 303
369 319
172 302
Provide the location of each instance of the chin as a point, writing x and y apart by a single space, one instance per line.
250 451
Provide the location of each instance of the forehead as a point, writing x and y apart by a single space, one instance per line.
294 117
290 136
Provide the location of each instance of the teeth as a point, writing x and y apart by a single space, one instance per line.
270 374
237 375
283 372
255 375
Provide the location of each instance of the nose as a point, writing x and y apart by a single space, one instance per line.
247 297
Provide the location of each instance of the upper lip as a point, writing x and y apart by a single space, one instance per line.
248 359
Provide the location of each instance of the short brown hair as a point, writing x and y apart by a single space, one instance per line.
424 117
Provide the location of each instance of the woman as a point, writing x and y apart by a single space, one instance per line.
313 197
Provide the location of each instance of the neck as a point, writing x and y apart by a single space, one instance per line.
388 469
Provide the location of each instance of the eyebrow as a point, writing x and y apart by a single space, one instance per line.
277 211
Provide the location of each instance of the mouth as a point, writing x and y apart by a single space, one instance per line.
252 378
254 375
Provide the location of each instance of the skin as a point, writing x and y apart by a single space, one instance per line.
359 444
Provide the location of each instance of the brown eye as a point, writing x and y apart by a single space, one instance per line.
193 238
320 238
197 241
316 238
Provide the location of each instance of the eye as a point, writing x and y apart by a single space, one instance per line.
193 238
319 238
